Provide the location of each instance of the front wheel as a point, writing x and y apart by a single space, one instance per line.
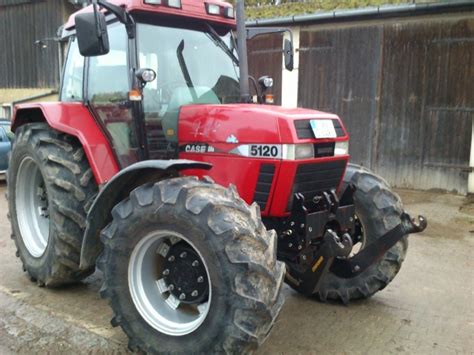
378 210
189 268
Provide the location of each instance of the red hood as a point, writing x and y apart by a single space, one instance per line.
247 123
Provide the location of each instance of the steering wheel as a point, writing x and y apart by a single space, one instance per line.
168 88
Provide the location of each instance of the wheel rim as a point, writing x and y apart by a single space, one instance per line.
154 296
32 207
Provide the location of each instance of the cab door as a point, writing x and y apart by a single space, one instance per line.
107 94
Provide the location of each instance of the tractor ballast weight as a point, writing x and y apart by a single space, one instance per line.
157 167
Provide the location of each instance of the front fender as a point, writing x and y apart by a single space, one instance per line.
118 188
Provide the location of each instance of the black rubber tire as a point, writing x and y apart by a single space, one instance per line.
240 253
71 189
379 210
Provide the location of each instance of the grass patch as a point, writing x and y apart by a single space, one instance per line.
310 6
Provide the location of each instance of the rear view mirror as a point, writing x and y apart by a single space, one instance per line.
288 54
91 32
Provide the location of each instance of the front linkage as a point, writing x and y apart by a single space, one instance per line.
334 220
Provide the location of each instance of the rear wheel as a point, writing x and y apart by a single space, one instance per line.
50 188
189 268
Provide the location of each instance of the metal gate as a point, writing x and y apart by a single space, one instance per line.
405 90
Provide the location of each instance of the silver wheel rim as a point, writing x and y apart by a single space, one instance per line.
150 294
32 207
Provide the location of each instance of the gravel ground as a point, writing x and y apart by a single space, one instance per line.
428 308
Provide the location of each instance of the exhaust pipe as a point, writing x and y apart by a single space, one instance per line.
242 52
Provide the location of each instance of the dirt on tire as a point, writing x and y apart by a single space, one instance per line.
240 253
378 209
70 187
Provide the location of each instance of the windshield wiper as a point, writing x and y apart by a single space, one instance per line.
185 71
220 43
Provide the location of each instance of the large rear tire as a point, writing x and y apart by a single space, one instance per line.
170 239
378 210
50 188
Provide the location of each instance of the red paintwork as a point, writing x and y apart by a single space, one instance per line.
190 9
239 171
249 123
213 124
76 120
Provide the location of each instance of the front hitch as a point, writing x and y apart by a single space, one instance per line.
415 226
351 267
334 253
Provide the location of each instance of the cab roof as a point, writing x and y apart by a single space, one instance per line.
195 9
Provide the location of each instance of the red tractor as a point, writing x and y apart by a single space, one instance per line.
148 163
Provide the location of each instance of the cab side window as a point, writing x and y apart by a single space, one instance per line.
73 74
108 74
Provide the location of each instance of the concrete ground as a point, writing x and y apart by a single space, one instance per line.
429 307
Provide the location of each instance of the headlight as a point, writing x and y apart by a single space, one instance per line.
341 148
298 151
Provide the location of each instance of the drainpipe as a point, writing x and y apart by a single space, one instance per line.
242 51
470 181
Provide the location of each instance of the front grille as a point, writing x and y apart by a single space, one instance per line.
312 179
264 184
304 130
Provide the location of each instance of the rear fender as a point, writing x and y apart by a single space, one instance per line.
73 118
118 188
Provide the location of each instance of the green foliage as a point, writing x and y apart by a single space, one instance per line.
266 8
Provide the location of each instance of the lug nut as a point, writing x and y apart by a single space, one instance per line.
292 223
166 272
194 293
310 229
182 296
302 225
183 255
171 287
195 263
171 258
290 245
200 279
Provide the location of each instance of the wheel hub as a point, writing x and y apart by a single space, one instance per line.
185 274
169 254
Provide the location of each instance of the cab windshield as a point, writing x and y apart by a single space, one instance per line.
193 65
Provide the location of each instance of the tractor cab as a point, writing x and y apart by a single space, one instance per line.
171 59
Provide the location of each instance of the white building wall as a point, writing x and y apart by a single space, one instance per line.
289 85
